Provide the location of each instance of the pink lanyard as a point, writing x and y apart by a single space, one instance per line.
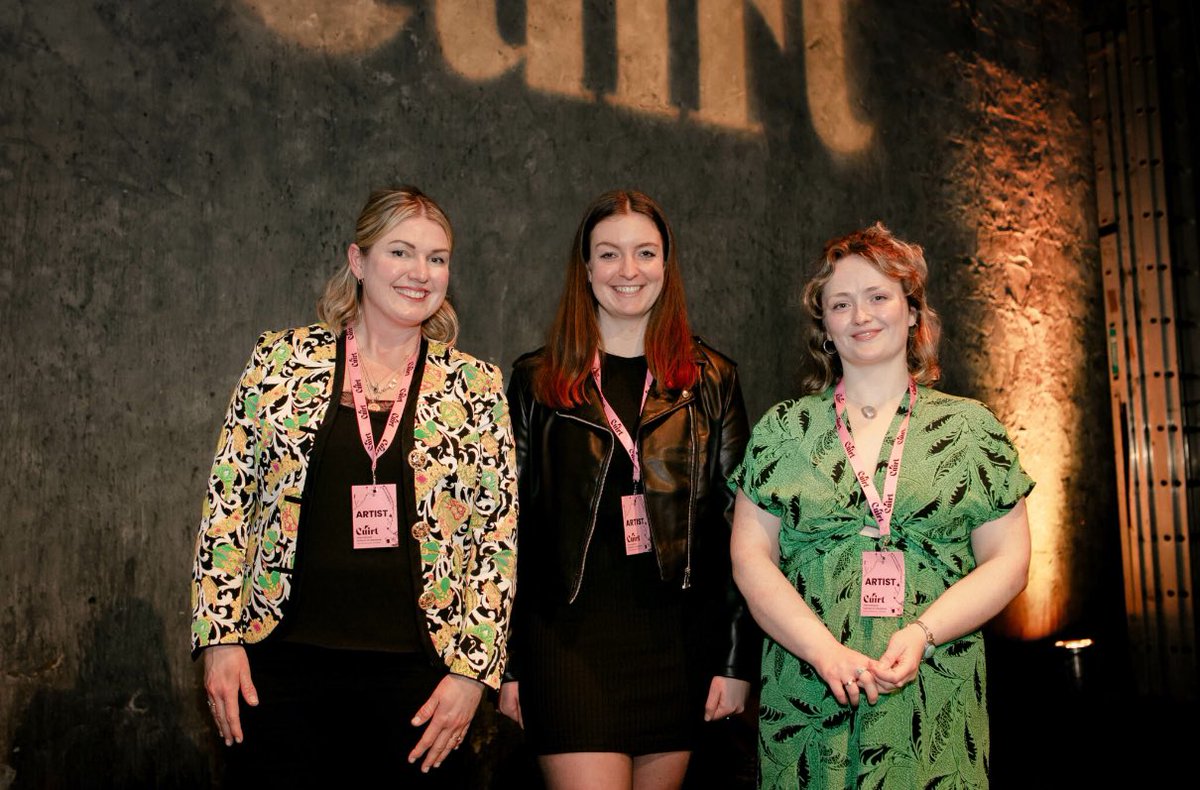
614 422
374 451
881 509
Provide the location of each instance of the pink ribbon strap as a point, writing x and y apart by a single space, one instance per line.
881 509
614 422
354 370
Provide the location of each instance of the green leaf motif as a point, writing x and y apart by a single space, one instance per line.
768 714
803 772
762 479
484 633
916 730
926 512
874 755
986 480
960 490
949 463
807 708
942 727
938 423
1001 461
503 560
940 445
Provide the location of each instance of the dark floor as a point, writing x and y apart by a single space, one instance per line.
1059 723
1056 723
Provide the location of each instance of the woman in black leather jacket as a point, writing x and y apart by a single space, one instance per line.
629 632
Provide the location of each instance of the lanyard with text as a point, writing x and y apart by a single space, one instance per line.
373 507
633 507
882 571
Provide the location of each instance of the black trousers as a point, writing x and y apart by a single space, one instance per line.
336 717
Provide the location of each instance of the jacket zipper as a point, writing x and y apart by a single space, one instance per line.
687 568
595 506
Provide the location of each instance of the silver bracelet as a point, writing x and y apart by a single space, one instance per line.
930 644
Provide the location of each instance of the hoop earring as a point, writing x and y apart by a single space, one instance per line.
829 348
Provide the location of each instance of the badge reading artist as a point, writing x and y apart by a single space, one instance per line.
637 528
375 523
883 584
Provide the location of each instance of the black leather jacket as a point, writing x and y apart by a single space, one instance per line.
689 442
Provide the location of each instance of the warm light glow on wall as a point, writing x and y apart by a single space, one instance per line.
828 89
345 27
1046 451
1019 320
1007 370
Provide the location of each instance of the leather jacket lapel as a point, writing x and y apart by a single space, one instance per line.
661 402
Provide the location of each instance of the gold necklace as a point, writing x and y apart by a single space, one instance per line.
376 391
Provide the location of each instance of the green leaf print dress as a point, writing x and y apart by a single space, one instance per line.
959 471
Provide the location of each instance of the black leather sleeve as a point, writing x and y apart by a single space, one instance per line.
743 647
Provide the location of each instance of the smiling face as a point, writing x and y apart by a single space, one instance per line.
625 267
866 314
404 275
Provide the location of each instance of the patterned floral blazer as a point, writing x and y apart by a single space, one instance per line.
466 509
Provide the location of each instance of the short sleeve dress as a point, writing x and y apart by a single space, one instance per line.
959 470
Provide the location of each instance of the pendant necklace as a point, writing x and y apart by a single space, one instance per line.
376 391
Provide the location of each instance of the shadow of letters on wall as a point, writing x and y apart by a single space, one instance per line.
553 55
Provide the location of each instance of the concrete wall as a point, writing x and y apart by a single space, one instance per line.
177 177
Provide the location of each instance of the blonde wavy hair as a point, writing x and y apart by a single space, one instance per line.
902 262
338 307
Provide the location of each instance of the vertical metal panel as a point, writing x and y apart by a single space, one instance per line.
1140 309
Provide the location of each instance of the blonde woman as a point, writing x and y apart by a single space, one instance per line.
354 566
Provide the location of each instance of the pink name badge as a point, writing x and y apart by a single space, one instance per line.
637 528
373 512
882 584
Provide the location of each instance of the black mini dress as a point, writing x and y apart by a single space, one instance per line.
617 670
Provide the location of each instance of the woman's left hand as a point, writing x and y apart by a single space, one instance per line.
900 662
726 696
449 711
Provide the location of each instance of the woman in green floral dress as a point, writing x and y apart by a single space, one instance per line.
873 579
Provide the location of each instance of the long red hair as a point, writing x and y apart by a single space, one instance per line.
574 336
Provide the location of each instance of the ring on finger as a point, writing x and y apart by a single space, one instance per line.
859 671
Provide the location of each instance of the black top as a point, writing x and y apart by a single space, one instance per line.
353 598
631 577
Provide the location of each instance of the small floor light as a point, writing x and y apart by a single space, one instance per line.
1076 647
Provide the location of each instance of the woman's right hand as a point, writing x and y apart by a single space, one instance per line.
226 673
510 702
846 673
